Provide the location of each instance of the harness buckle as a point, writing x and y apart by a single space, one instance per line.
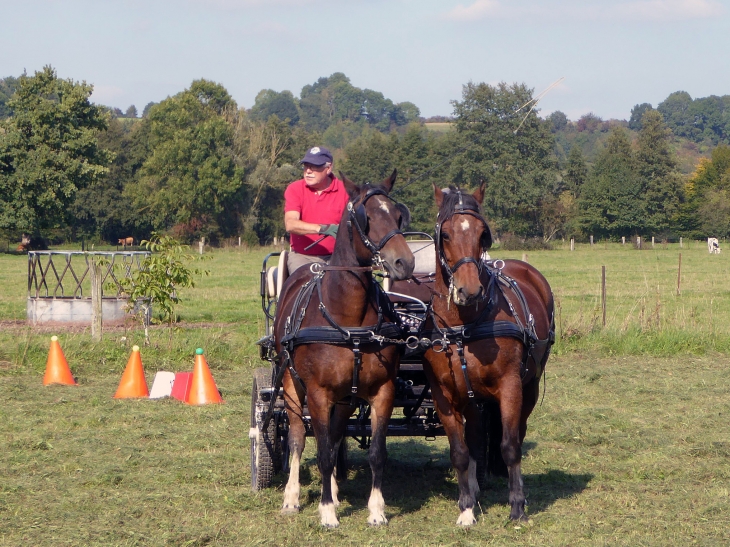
412 342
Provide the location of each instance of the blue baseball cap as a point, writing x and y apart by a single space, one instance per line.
318 155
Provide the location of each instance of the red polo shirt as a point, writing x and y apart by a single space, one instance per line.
323 208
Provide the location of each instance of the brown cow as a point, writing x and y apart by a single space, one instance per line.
125 241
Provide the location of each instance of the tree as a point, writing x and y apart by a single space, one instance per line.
510 151
7 88
156 284
657 167
410 111
576 171
677 115
271 103
48 151
147 108
190 177
636 114
558 121
610 204
131 112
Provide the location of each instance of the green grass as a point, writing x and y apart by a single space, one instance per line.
630 446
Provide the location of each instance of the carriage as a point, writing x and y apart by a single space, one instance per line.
416 415
452 342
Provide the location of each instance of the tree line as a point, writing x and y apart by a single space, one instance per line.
198 165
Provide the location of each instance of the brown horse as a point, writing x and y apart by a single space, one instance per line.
492 332
342 303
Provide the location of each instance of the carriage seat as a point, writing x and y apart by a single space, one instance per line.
276 275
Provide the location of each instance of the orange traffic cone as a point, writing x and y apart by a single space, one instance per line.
57 371
133 383
203 390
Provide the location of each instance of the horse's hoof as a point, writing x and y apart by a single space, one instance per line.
466 518
290 510
518 513
377 520
328 516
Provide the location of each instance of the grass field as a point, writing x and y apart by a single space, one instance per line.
631 445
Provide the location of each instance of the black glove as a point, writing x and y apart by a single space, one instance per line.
329 230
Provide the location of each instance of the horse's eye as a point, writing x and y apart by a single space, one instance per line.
445 236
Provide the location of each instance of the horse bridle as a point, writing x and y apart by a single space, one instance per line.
460 209
359 218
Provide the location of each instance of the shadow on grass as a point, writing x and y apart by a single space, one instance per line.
417 472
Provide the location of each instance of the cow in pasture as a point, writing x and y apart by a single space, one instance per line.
125 241
713 246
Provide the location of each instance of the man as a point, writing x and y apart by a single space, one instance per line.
313 207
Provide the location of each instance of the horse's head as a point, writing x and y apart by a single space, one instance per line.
462 236
375 224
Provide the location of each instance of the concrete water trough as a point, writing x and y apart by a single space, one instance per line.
59 286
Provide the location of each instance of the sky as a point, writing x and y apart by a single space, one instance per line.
611 54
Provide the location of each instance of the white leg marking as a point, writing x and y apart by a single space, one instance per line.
335 489
473 482
291 492
466 518
328 515
253 433
376 505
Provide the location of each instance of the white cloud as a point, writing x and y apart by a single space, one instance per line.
478 10
631 10
666 10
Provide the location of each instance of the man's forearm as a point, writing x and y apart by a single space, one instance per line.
300 227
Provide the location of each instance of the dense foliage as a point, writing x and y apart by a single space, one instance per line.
198 165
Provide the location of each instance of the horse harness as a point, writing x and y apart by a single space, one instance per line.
535 349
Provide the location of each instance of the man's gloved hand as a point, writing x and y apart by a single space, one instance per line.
329 230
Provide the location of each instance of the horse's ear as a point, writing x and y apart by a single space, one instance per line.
352 189
388 183
479 193
439 195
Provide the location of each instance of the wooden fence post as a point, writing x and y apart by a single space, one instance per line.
679 273
572 244
591 241
638 241
603 293
96 300
680 243
201 245
652 242
623 240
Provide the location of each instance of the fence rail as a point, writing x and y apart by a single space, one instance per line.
65 274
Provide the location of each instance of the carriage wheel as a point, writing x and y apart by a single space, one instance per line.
266 452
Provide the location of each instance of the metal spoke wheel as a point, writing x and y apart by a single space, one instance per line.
266 449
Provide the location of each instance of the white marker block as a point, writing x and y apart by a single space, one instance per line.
162 386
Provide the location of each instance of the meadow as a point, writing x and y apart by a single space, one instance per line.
630 445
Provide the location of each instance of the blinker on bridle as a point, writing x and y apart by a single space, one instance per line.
459 209
359 217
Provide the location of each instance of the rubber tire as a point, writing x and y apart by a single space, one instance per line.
265 447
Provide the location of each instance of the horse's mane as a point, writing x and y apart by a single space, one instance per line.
451 200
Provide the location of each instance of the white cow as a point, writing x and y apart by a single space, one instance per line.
713 246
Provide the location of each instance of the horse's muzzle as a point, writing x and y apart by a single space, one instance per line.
400 268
